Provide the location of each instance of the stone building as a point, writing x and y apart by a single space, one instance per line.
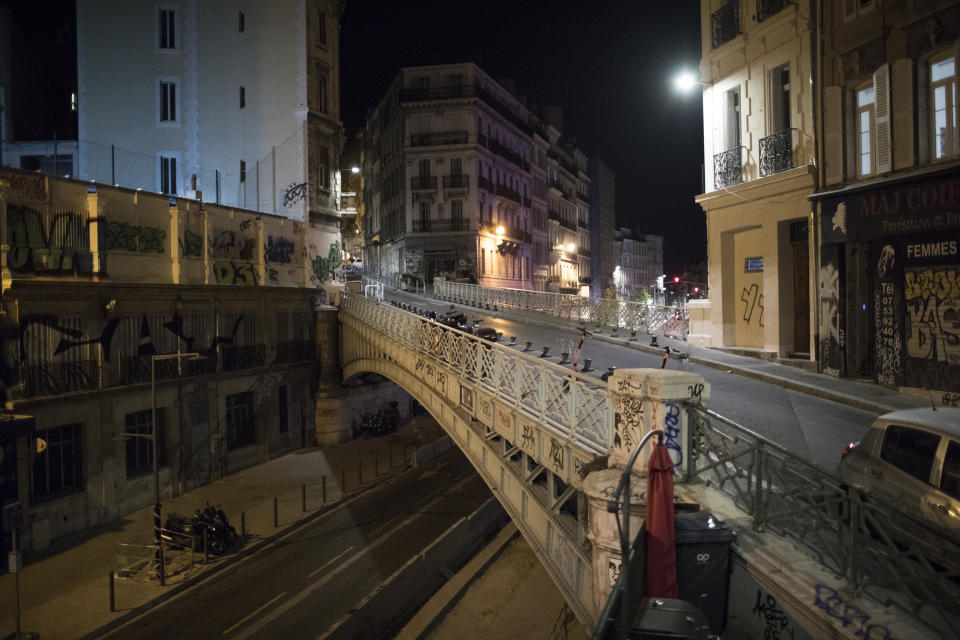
759 152
237 102
96 280
888 213
603 260
462 180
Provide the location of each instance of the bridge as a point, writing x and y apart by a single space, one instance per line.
552 443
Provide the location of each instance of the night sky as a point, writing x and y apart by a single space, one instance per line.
608 63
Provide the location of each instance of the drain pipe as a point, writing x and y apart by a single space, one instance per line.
613 506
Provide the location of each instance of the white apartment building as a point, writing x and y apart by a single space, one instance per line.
639 263
759 156
237 101
460 178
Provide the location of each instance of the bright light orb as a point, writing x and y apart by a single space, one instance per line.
355 169
685 81
571 247
500 230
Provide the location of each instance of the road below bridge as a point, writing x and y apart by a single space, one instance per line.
813 428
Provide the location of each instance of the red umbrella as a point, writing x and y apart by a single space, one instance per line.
661 566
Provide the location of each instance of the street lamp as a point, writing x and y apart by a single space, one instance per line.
687 80
157 521
571 247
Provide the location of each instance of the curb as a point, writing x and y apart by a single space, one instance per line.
238 559
792 385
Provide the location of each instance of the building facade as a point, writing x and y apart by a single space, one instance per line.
96 280
639 268
462 180
239 104
888 213
759 151
603 260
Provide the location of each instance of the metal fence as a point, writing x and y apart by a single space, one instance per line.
671 321
575 405
881 551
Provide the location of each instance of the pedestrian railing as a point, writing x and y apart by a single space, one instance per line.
138 562
880 550
574 405
637 316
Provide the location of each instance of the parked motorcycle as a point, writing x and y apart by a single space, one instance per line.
181 532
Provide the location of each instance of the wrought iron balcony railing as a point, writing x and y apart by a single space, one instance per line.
776 152
553 214
506 152
461 181
439 226
482 139
728 167
568 225
484 183
769 8
725 23
247 356
526 202
55 378
296 351
423 182
507 192
433 139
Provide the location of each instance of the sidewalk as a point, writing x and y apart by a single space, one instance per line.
861 395
64 590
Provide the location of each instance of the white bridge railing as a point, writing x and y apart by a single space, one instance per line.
575 405
671 321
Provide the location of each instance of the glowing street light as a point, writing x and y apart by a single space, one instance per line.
571 247
500 230
354 169
687 80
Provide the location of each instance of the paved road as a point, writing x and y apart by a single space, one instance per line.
303 585
811 427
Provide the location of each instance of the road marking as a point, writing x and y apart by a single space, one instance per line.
229 629
308 591
373 534
432 472
338 556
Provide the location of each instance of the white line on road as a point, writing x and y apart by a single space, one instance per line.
306 592
327 564
253 613
373 534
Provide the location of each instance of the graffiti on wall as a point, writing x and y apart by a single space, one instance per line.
121 236
830 332
830 600
752 301
323 268
64 248
933 313
776 623
671 427
192 244
627 422
242 274
229 245
278 249
294 193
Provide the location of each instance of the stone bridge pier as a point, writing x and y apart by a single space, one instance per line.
643 399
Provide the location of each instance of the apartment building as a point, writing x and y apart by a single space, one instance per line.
96 281
462 180
639 265
887 213
603 260
235 103
759 151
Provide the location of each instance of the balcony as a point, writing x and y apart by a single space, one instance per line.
526 202
508 193
440 226
769 8
553 215
728 167
55 378
568 225
456 182
296 351
509 154
585 280
776 152
484 183
582 223
725 23
438 93
247 356
438 139
423 183
482 139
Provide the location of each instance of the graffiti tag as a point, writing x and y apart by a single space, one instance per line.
828 599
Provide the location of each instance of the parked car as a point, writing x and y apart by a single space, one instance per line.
911 459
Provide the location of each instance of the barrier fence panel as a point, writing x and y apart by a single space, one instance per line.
878 548
640 316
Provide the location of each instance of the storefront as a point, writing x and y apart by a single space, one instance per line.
889 282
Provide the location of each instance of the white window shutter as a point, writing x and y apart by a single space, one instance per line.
881 85
833 134
902 98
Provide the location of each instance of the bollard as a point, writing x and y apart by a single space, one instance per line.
206 553
529 346
323 487
563 357
513 341
163 561
303 498
113 600
243 526
633 335
586 365
499 336
275 512
546 352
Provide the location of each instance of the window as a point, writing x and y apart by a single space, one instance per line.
321 90
910 450
168 31
243 171
168 175
731 116
282 408
324 167
456 167
243 97
241 24
424 215
780 98
943 86
852 9
140 449
321 27
866 121
168 101
56 470
240 427
456 213
424 168
950 480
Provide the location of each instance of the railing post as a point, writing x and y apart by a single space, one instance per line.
759 462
